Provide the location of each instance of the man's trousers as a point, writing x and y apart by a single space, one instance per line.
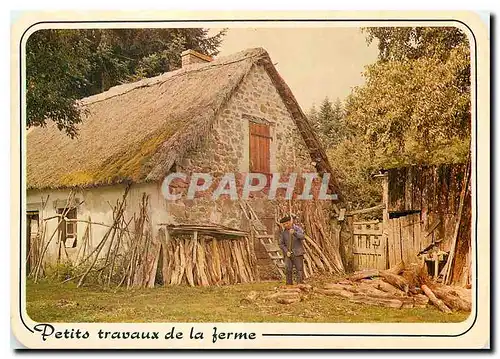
298 263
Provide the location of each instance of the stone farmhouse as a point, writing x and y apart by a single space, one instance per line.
99 198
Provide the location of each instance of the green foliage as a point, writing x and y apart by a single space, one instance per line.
411 43
415 104
414 108
328 121
58 272
57 64
63 66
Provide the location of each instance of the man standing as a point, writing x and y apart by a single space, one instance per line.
291 238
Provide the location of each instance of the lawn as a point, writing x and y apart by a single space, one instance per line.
53 302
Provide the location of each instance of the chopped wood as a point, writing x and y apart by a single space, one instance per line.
421 300
461 292
380 302
289 290
397 269
250 298
287 300
388 288
371 291
450 261
364 274
451 300
338 286
395 280
434 300
282 294
304 287
335 292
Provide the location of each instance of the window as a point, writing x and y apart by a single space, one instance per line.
67 229
260 145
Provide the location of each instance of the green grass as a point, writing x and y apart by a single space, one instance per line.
52 302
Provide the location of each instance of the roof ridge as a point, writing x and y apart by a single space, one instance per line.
164 77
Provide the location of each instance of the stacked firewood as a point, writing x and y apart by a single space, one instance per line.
398 287
205 260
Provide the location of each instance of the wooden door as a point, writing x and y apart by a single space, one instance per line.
404 239
260 147
369 247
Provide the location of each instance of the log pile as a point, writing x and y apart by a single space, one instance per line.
398 287
384 288
289 294
322 241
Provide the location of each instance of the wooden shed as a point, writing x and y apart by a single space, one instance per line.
427 217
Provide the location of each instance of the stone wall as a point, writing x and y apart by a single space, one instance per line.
227 150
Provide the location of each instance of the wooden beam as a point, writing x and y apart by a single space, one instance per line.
366 210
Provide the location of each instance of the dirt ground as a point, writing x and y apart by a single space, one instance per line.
54 302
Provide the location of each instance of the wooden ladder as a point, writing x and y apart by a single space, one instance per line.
267 240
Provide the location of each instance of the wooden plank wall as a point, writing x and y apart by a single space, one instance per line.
432 190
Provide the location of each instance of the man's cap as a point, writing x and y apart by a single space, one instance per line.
285 219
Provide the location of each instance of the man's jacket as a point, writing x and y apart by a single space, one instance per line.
297 247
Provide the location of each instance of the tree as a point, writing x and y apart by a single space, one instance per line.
328 121
415 105
411 43
63 66
414 108
57 64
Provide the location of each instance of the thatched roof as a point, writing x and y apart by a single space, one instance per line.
135 132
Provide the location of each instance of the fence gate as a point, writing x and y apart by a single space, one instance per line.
369 247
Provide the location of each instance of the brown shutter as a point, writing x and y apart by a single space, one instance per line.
260 146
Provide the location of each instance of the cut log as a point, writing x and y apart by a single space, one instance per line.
461 292
395 280
408 302
397 268
250 298
388 288
287 300
338 286
282 294
365 274
434 300
304 287
289 290
451 300
371 291
421 300
380 302
335 292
